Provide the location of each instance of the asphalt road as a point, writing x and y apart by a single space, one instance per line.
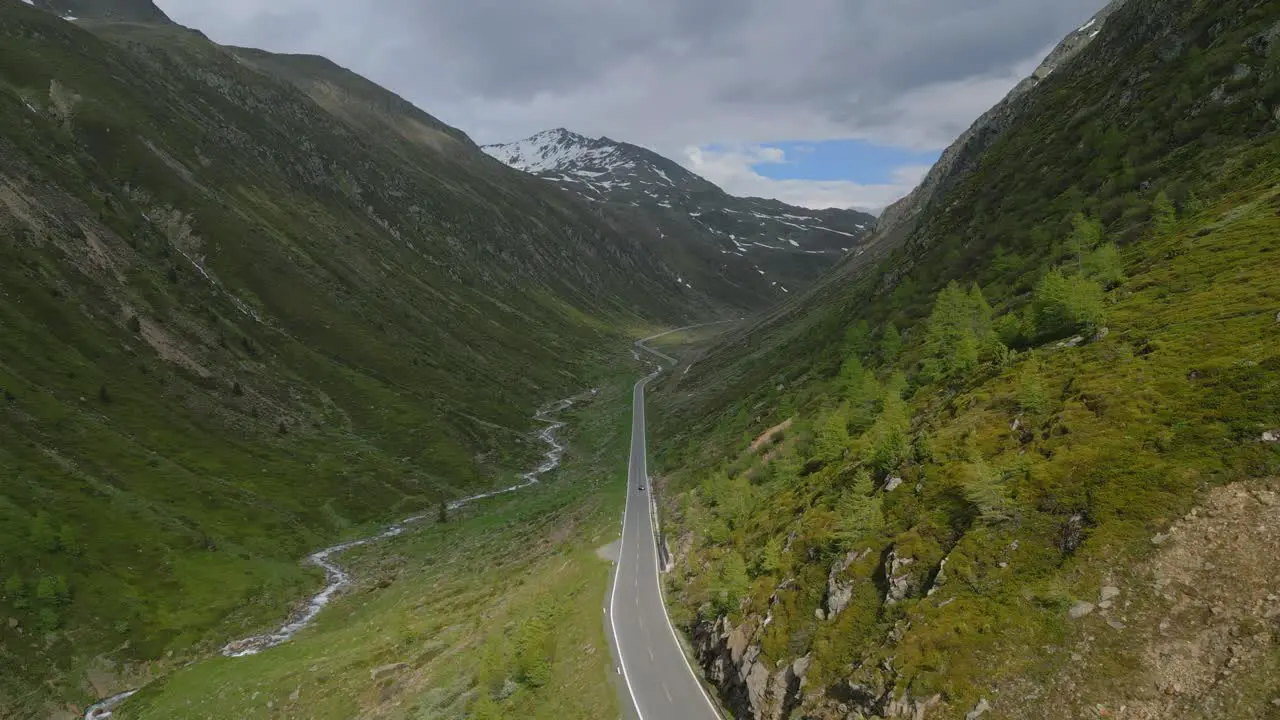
660 681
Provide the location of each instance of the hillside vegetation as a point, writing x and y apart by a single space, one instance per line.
250 304
961 477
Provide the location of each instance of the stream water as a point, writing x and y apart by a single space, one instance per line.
336 578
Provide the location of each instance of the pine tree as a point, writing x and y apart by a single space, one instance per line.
857 340
1063 305
960 331
890 343
858 512
984 489
1086 234
732 583
863 401
1032 396
832 436
890 441
850 375
1164 213
771 557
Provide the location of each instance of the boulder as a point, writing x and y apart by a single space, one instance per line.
978 710
385 671
1080 609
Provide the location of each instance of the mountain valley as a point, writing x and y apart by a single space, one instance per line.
1009 450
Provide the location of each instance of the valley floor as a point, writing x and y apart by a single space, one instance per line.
495 613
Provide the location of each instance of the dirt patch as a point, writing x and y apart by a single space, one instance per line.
609 552
99 254
168 348
1218 580
1196 635
768 435
20 206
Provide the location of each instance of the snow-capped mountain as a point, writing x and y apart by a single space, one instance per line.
599 167
758 242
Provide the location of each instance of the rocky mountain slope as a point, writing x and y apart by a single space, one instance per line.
962 156
251 304
140 11
769 248
1003 464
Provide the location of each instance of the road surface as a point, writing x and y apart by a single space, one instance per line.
658 678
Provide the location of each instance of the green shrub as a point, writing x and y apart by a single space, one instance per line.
1104 266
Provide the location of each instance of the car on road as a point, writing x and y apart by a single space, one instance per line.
641 488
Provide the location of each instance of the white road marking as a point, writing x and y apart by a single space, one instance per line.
644 462
638 423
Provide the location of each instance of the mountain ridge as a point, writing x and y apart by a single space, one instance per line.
136 11
769 248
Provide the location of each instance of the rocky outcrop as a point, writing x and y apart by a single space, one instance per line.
749 685
940 577
901 582
839 586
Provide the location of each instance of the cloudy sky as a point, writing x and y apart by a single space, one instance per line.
816 102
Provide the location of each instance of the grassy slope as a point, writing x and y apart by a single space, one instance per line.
333 327
1174 97
502 602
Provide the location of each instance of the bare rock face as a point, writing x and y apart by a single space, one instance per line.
839 587
939 579
750 685
723 650
902 583
909 707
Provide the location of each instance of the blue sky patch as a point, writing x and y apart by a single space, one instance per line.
854 160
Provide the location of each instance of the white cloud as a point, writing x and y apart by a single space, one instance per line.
670 74
733 169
